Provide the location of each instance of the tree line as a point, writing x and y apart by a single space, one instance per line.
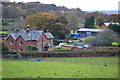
75 17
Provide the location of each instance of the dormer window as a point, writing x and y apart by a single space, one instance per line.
20 43
11 42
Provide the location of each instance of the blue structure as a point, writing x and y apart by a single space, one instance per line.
34 59
76 35
79 44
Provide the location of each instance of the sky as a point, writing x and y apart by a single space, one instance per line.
86 5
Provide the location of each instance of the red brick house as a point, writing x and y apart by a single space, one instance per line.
20 39
103 26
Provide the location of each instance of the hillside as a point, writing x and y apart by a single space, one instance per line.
17 12
24 9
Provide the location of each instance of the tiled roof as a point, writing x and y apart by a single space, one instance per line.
107 24
49 35
32 35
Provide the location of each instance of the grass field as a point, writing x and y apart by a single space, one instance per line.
4 32
94 67
0 68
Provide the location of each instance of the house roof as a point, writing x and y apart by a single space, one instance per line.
103 26
49 35
32 35
89 30
108 23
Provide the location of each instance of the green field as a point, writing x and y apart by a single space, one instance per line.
4 32
94 67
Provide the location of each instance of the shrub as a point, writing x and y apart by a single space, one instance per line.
91 52
95 27
56 42
115 44
105 38
90 40
13 52
4 46
5 23
31 48
115 27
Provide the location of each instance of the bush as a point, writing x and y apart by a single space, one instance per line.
89 39
105 38
13 52
115 44
115 27
5 23
95 27
4 46
56 42
31 48
91 52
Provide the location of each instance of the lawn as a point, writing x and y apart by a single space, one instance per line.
89 67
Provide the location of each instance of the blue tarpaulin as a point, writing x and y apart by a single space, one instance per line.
34 59
75 35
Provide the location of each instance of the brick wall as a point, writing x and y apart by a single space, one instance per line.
42 41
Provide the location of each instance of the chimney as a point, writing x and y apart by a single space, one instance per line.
46 31
17 30
27 29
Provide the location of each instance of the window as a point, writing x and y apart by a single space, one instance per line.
11 49
38 43
20 49
11 42
20 43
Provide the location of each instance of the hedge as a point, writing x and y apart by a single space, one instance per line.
87 52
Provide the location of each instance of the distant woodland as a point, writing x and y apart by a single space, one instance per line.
75 17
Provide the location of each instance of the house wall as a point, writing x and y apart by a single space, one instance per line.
23 46
42 41
34 43
8 42
50 41
16 45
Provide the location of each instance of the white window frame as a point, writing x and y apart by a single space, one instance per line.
11 42
11 49
20 43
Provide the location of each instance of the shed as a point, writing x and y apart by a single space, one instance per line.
86 32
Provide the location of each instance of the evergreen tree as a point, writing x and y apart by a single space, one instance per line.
89 22
115 27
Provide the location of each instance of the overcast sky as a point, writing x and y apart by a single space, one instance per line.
82 4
